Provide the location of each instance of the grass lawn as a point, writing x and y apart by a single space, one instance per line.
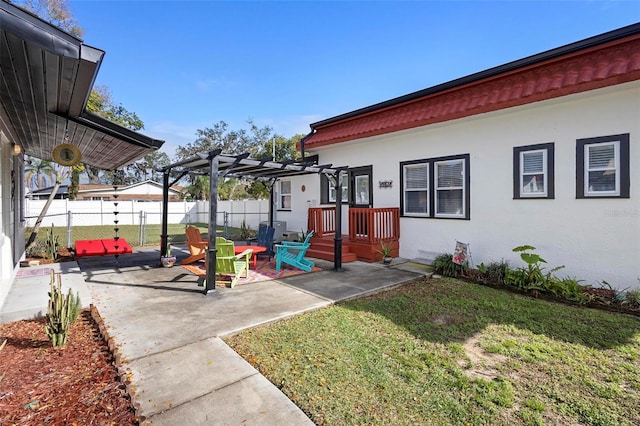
446 352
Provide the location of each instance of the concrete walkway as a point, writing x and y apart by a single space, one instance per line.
169 334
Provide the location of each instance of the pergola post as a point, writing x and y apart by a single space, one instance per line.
337 245
164 232
272 196
210 284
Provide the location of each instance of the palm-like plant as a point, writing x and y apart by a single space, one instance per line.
37 172
199 189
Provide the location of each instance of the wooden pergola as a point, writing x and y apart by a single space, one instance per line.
218 166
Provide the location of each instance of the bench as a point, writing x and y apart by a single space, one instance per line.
105 247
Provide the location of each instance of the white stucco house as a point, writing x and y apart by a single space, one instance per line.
542 151
47 76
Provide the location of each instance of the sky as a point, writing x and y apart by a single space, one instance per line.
186 65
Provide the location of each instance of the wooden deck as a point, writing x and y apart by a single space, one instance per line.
368 230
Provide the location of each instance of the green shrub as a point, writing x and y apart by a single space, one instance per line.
494 272
245 231
567 288
443 265
633 297
531 276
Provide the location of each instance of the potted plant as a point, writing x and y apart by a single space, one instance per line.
167 260
385 251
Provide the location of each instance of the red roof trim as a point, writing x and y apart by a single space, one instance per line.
608 64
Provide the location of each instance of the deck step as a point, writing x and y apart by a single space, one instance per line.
328 255
322 248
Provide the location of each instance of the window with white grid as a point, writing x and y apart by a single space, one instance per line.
436 187
533 171
602 161
416 189
285 195
602 167
449 188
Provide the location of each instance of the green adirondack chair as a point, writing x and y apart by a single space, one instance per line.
292 253
228 263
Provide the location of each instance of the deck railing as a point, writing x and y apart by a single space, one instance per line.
365 225
322 220
374 225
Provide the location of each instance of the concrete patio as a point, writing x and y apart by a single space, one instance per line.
169 333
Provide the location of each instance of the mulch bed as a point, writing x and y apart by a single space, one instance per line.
76 384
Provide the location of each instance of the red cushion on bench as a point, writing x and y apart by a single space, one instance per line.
123 246
90 248
102 247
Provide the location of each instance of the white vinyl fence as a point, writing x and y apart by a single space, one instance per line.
98 212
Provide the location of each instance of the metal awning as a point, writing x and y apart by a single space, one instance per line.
218 165
46 76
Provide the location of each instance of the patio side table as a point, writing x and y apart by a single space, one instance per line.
254 249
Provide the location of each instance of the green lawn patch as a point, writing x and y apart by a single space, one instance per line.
447 352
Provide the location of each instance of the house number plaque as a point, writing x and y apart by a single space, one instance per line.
385 183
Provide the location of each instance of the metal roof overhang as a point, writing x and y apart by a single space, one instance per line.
46 76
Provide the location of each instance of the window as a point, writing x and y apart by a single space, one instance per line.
416 189
361 189
344 184
602 167
533 171
450 188
285 195
439 182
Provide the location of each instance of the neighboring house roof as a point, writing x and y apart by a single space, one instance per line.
604 60
47 76
87 189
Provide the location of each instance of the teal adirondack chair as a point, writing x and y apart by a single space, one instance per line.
228 263
292 253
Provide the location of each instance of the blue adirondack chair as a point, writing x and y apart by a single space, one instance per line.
265 239
292 253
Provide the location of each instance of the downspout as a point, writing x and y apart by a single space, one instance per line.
303 140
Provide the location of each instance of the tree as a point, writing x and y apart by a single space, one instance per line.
256 141
56 12
100 102
147 167
216 137
37 172
199 188
285 150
